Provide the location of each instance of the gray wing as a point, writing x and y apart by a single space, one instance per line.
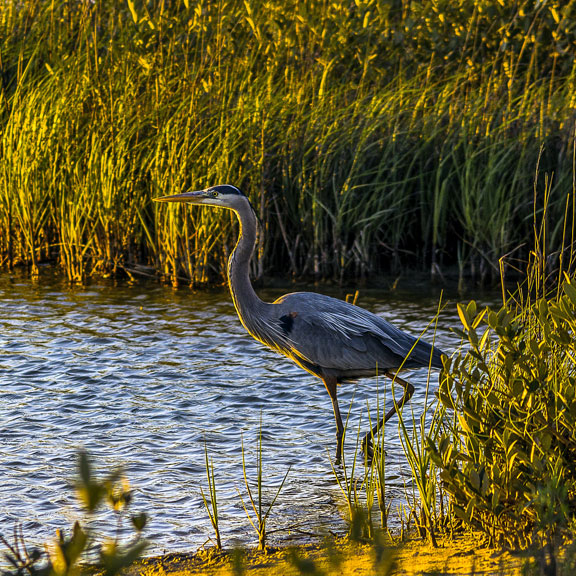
330 336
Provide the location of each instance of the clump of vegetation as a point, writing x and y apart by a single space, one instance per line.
67 553
381 133
508 449
503 441
259 502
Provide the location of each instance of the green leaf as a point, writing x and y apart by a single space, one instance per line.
570 291
139 521
464 318
114 559
475 480
543 309
66 552
479 318
471 309
91 496
492 319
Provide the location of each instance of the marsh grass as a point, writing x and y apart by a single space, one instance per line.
377 465
367 137
414 432
363 481
357 488
259 502
212 507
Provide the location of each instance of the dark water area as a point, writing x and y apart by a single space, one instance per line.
144 376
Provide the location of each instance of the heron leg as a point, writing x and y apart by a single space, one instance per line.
331 384
408 391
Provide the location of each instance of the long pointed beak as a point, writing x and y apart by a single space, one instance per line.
193 196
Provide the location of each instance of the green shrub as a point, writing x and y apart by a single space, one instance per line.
507 455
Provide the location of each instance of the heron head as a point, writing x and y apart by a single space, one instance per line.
223 196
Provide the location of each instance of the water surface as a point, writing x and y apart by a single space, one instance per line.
145 376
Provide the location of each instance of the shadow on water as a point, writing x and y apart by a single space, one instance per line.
143 375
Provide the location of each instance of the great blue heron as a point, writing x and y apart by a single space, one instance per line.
329 338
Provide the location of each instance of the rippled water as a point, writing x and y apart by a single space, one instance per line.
143 376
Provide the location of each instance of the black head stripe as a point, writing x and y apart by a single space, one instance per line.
227 189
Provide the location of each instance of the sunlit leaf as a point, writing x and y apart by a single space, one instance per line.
463 314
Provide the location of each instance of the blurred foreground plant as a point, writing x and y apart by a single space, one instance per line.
66 553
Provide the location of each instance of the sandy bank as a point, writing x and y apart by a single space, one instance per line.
411 558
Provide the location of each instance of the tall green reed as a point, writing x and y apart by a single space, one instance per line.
414 433
376 465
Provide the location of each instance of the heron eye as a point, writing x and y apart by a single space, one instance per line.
214 194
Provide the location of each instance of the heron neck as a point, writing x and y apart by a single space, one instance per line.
245 298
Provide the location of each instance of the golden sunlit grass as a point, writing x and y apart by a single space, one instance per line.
368 134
